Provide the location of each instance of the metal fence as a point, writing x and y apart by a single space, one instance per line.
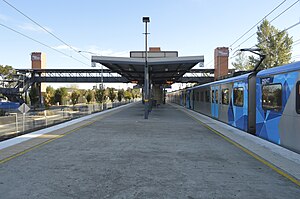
15 123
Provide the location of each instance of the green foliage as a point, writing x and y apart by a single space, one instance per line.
127 95
100 95
7 71
111 94
242 63
75 96
275 44
89 96
34 95
60 94
120 95
135 93
49 96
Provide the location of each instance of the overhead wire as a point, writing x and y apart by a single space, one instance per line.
230 58
251 29
28 37
257 23
89 59
270 22
221 62
286 29
209 62
45 29
297 42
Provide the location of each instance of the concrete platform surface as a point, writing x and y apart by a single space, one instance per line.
121 155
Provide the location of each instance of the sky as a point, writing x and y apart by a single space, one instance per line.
115 27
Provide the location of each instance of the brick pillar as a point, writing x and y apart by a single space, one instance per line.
154 49
221 62
38 61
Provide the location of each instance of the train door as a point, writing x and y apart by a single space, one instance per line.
215 101
188 102
182 98
190 99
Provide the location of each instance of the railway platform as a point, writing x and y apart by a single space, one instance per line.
176 153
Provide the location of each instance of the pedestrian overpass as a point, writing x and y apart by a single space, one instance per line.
165 67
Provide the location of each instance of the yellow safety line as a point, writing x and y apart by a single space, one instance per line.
43 143
57 137
265 162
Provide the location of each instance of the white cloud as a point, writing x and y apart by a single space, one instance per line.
3 18
34 28
107 52
65 47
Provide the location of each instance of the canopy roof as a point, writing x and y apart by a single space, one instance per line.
161 70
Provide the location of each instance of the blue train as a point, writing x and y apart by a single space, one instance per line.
264 103
9 105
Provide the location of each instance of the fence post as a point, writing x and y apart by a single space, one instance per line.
23 122
45 114
16 123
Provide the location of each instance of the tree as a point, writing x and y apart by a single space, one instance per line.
34 95
100 95
49 96
89 96
127 94
135 93
275 44
82 97
111 94
75 96
120 95
6 73
60 94
242 62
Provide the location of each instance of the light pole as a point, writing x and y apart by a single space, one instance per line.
146 20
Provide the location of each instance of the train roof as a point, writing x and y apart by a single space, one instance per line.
228 80
280 69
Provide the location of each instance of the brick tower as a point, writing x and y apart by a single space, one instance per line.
38 61
221 62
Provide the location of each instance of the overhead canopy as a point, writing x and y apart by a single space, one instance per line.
162 70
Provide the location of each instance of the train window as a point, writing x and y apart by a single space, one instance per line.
212 96
207 96
238 96
272 97
225 96
202 96
298 97
217 97
194 96
197 96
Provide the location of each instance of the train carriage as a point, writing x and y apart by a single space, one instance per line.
264 103
228 101
202 99
189 98
277 105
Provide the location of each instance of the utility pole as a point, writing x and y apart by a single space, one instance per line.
146 20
